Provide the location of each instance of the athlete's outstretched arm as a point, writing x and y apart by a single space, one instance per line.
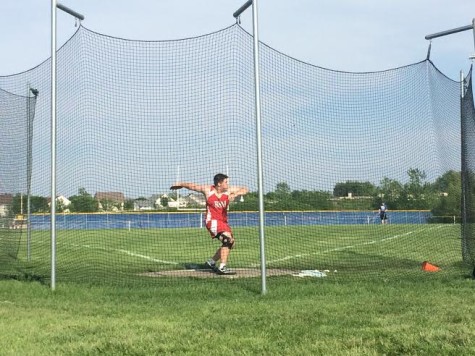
237 191
191 186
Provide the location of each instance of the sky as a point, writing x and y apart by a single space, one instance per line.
346 35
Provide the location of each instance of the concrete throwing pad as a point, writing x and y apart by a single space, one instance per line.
207 273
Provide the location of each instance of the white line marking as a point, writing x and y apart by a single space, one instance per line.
147 257
347 247
129 253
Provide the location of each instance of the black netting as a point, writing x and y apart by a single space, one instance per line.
468 173
136 116
16 118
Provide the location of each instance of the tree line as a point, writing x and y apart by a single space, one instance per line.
442 197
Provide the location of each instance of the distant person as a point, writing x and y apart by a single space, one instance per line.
383 213
218 196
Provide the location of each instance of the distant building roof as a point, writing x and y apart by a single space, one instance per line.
6 199
116 197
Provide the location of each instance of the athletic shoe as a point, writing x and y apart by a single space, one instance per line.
224 271
211 266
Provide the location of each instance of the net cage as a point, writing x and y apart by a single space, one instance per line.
16 120
468 170
133 117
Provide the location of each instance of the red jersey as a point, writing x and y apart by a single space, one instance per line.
217 208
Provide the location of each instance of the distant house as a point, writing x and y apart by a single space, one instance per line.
6 201
144 204
110 201
193 200
152 203
62 202
180 203
157 200
196 200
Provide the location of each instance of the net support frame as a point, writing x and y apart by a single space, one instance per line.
243 8
259 145
255 31
30 118
449 32
465 253
70 11
54 6
303 117
452 31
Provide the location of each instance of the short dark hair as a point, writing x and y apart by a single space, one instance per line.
218 178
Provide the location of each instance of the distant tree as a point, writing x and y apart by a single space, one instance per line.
415 186
18 204
83 202
250 202
281 193
417 193
129 204
356 188
390 192
312 200
37 204
109 205
282 190
449 189
449 181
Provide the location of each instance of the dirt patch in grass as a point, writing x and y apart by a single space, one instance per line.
207 273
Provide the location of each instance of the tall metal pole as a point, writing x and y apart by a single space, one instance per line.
28 169
255 31
465 252
54 5
473 26
29 129
53 144
257 96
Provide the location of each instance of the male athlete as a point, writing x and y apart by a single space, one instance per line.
217 197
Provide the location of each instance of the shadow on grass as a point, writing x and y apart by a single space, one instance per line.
11 269
24 277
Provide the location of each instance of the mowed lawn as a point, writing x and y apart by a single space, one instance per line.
378 301
123 256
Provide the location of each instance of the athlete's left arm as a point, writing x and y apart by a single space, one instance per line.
237 191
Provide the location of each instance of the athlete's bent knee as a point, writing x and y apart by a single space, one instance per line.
226 240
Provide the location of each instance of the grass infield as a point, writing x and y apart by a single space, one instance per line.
132 257
378 302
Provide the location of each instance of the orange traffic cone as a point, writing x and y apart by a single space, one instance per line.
429 267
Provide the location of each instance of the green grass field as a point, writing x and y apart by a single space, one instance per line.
379 302
354 251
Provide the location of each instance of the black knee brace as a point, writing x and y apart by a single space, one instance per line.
227 241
